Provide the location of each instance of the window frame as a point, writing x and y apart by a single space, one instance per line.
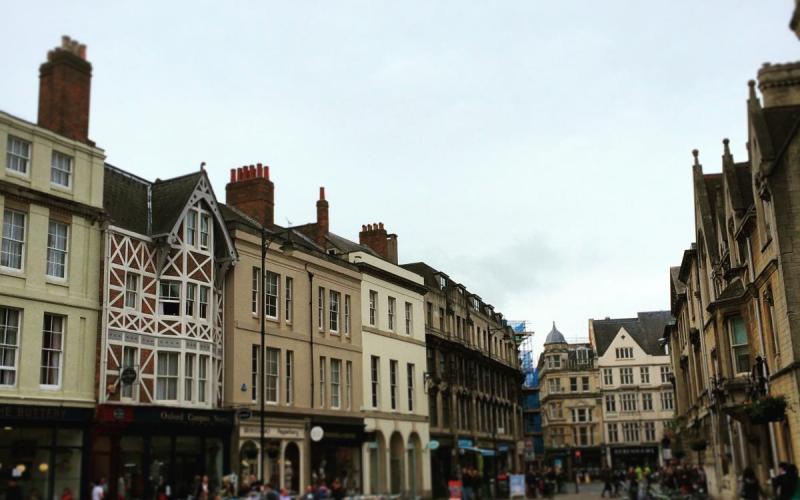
170 299
272 284
128 291
336 383
272 392
14 241
167 377
57 167
334 298
64 253
17 156
47 351
734 347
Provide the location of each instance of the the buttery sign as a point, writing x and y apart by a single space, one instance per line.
35 413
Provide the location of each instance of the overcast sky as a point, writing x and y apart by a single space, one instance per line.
536 151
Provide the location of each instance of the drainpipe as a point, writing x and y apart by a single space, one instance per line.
311 328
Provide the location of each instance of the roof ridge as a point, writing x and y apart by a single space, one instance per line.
128 174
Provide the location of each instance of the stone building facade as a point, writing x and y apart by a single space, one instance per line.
735 292
473 382
570 399
51 198
396 460
313 367
635 389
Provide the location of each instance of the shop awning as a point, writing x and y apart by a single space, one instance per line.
483 451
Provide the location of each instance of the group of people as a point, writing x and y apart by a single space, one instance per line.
545 483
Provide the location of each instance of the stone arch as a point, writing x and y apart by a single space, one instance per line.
376 454
414 465
249 459
291 466
396 463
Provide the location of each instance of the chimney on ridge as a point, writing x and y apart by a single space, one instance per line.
323 224
251 192
382 243
65 82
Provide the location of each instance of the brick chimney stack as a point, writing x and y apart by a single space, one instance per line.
323 224
251 191
382 243
65 82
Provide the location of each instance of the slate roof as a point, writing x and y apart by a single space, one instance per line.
646 329
125 199
555 337
680 286
744 176
169 198
424 270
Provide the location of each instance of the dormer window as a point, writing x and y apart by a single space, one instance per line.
582 355
191 228
442 282
204 231
624 352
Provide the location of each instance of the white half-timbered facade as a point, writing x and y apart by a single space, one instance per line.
164 273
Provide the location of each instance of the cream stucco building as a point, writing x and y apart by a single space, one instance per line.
396 456
637 396
51 197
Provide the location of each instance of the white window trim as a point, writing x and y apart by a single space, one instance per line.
57 385
51 277
21 268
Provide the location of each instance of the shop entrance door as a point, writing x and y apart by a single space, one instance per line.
189 466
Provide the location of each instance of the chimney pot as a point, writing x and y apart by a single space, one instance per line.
321 193
255 198
65 82
266 172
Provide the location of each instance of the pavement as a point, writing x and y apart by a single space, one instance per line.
591 490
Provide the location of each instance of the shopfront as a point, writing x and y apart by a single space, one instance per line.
141 450
285 444
43 451
338 454
634 456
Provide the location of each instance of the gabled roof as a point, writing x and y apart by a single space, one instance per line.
154 209
646 329
169 198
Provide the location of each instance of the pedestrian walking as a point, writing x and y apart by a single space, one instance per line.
607 476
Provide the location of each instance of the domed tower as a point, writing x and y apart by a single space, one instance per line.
554 337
